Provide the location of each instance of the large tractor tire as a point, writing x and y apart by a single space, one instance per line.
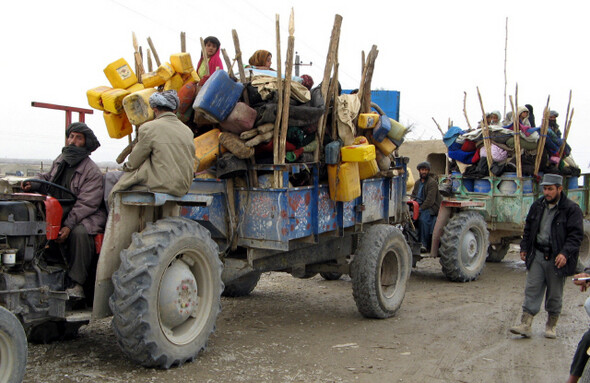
496 253
330 275
13 348
167 293
380 271
464 247
242 286
584 255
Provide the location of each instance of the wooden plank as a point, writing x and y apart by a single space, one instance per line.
486 136
183 42
543 136
238 56
332 48
277 179
205 57
287 91
516 129
156 57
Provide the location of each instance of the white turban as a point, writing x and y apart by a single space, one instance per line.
167 99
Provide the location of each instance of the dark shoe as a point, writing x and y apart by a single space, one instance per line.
76 292
423 249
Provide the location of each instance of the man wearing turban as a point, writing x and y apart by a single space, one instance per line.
83 218
162 160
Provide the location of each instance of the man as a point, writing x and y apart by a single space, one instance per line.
163 158
550 244
74 170
426 194
553 125
581 356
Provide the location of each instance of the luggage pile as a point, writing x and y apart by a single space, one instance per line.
493 149
243 124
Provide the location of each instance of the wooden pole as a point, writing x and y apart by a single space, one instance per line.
239 56
333 92
438 127
287 90
542 138
149 60
228 64
334 41
486 135
562 148
505 60
566 132
366 95
183 42
516 129
151 44
465 110
138 58
277 179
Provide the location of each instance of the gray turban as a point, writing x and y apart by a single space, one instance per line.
554 113
167 99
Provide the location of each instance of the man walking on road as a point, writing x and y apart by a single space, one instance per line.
550 244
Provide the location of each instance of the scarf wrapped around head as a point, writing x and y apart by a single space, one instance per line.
91 141
307 81
167 99
259 58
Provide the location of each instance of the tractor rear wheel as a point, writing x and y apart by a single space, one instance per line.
167 293
464 247
584 255
380 271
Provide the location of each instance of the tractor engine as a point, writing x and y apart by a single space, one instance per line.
30 287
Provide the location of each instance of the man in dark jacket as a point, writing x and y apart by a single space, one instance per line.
426 194
85 217
551 240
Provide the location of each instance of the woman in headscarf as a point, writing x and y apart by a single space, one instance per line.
261 59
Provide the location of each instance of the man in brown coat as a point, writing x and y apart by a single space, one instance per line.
426 194
86 217
163 159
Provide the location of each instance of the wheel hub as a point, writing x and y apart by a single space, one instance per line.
469 247
178 295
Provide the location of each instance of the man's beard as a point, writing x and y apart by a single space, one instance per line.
553 200
423 176
553 124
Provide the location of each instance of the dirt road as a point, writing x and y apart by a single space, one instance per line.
292 330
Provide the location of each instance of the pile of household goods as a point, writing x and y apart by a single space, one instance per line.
242 126
542 149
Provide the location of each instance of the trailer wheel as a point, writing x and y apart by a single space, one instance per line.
464 246
497 252
13 348
584 254
330 275
167 293
380 271
242 286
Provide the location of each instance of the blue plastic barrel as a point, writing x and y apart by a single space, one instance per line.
527 184
468 184
456 177
572 183
481 186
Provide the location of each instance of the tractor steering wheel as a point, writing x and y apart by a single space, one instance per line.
56 186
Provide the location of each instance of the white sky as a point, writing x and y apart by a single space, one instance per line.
431 51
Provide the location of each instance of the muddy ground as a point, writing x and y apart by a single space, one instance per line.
294 330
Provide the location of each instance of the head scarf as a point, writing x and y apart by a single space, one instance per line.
554 113
91 141
307 81
167 99
259 58
519 112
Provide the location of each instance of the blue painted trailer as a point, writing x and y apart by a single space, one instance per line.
300 230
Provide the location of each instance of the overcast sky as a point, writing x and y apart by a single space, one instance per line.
431 51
